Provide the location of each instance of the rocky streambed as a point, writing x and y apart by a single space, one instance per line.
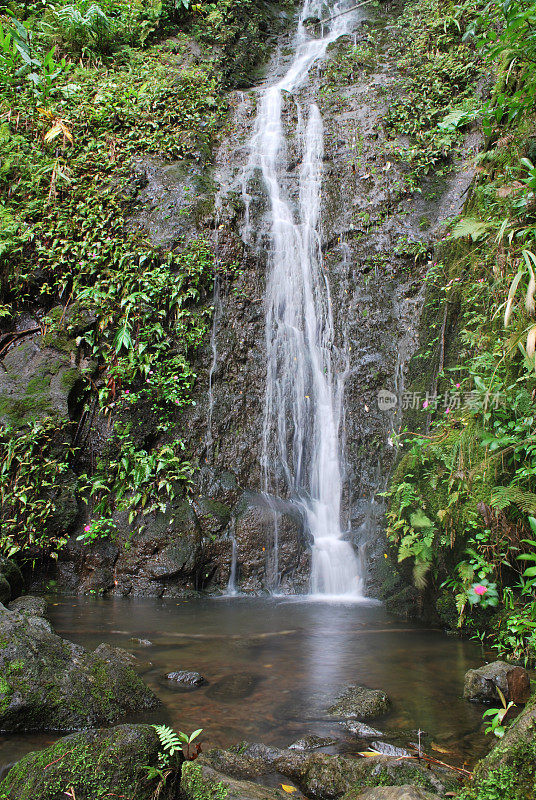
52 684
308 699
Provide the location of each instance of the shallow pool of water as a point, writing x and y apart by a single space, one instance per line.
287 659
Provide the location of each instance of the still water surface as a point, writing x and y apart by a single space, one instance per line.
272 664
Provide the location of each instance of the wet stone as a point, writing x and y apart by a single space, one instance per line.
360 703
185 678
312 742
360 730
389 749
482 684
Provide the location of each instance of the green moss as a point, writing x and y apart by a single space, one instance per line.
198 788
6 693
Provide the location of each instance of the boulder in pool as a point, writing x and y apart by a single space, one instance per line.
186 679
360 703
92 765
481 684
50 684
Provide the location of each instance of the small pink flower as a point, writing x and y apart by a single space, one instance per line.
479 589
447 411
147 380
127 391
458 385
87 528
425 404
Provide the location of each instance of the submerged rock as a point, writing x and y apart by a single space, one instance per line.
482 684
184 678
91 765
201 782
49 683
234 687
312 742
360 703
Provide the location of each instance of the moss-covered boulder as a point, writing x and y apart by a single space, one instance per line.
90 766
358 702
49 683
510 768
201 782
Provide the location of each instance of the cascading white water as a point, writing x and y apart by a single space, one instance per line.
303 392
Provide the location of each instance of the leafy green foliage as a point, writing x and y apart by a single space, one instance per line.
32 462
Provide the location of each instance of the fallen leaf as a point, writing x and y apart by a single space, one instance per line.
369 753
288 789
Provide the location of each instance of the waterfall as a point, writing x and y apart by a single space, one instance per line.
304 391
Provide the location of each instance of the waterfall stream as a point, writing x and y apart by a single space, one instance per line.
304 387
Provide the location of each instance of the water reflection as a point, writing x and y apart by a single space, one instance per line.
274 665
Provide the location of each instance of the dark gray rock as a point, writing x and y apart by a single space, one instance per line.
29 605
312 742
360 703
49 683
360 730
92 764
481 684
185 678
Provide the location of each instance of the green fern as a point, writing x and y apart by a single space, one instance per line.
503 496
169 739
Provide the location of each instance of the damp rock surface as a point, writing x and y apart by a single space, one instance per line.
186 678
360 703
50 684
392 793
482 684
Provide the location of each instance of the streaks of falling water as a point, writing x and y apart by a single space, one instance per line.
303 399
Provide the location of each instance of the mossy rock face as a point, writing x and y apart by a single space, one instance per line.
49 683
200 782
510 768
94 764
36 383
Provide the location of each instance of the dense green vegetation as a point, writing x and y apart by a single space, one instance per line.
462 497
85 89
